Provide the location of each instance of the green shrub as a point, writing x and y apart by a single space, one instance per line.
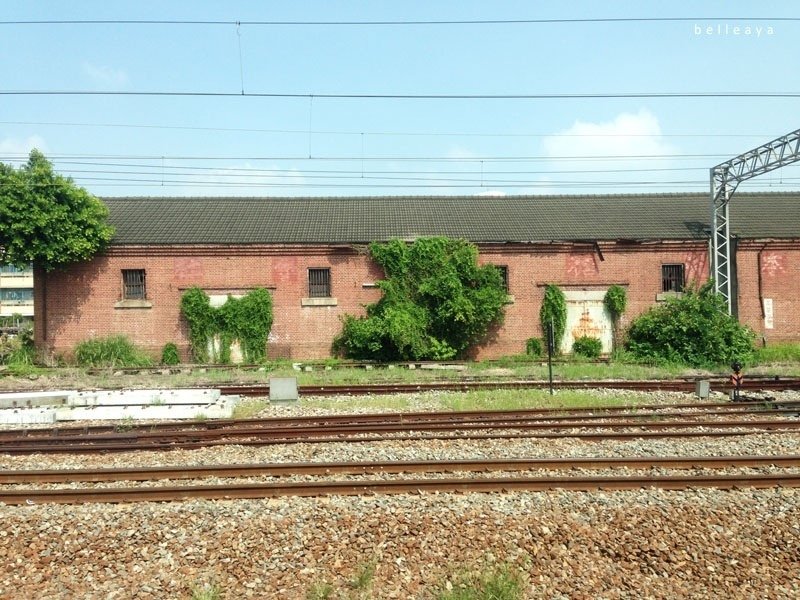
169 354
554 310
437 302
18 350
534 347
615 301
694 329
588 347
112 351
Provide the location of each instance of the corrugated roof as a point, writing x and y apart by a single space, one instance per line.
234 220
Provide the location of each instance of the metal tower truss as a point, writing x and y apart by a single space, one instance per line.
725 178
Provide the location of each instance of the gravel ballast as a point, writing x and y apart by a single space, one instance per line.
643 544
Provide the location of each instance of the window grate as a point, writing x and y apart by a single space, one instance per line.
133 284
672 278
504 275
319 283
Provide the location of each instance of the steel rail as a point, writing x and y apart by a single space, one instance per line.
565 415
303 431
629 410
403 486
392 467
77 448
464 386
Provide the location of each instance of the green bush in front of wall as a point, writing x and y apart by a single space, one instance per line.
534 347
112 351
247 320
169 354
437 303
694 329
554 310
587 347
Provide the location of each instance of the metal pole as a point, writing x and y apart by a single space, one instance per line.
550 344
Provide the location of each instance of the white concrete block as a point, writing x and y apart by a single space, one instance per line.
30 399
27 416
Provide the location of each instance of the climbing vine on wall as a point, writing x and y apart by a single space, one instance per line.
247 320
615 301
437 303
554 310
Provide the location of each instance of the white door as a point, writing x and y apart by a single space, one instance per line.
586 316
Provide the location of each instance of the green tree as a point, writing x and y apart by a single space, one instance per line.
694 329
47 220
437 302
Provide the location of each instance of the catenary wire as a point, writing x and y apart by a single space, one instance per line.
415 22
388 133
376 96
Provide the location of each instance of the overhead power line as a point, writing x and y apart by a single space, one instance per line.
386 133
315 96
393 23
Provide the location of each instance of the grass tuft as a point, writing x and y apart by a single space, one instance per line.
320 591
499 584
249 409
112 351
207 591
778 353
363 579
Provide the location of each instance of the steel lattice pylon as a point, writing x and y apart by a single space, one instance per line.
725 178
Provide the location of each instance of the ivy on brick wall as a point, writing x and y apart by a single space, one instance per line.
554 310
437 302
615 301
247 320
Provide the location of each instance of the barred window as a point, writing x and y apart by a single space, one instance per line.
133 284
672 278
319 283
504 274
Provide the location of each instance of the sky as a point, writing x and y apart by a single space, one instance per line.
258 143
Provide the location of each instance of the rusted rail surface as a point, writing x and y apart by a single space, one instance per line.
550 414
390 467
774 384
349 429
403 486
95 448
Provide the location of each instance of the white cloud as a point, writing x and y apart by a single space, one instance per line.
594 147
235 180
105 76
16 146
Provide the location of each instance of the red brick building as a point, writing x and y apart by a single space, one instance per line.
311 253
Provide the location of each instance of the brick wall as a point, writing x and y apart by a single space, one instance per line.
83 301
778 264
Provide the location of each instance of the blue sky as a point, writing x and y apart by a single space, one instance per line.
259 146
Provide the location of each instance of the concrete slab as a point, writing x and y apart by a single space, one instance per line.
27 416
222 410
144 397
30 399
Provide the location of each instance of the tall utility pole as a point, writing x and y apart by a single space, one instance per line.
725 178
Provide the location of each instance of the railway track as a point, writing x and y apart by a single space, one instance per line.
399 486
685 385
389 467
396 430
646 411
